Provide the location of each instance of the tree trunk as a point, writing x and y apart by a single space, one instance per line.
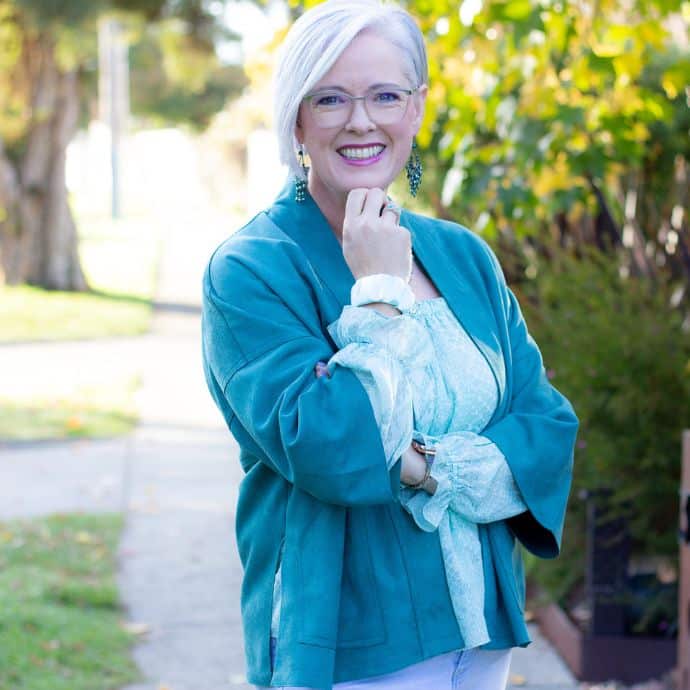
9 220
38 239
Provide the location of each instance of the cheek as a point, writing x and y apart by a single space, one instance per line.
403 136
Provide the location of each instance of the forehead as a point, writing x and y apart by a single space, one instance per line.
369 59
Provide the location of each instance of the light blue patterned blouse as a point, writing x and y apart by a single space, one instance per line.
426 378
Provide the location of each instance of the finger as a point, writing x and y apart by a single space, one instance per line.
321 370
374 202
391 208
355 202
390 216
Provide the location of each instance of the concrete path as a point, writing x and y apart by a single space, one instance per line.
176 480
538 667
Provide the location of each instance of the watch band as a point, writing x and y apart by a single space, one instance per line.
428 483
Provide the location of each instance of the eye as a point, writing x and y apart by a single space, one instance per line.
330 99
386 96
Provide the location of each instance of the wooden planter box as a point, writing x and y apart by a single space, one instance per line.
599 658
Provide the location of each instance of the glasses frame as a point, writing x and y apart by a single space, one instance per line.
392 87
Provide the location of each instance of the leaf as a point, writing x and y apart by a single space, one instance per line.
135 628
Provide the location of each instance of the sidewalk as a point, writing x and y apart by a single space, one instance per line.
176 480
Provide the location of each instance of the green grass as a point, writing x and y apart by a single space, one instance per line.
119 258
60 619
28 313
87 412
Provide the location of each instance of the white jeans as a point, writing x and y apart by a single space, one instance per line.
473 669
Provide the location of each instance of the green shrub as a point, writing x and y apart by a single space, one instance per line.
618 349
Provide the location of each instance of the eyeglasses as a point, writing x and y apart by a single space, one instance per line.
385 105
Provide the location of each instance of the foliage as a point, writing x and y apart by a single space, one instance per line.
59 608
181 80
621 353
542 114
170 83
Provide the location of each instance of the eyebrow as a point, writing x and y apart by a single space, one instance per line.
378 85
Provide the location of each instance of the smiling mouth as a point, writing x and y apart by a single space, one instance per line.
361 153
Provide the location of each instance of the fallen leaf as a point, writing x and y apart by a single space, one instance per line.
74 423
517 679
136 628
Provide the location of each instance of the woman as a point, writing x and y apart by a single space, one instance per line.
397 430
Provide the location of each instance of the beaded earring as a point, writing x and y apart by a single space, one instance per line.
301 182
413 169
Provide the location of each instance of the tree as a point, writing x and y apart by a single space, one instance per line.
47 54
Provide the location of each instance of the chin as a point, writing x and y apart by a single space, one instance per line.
368 181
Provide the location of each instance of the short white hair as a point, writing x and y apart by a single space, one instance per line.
314 43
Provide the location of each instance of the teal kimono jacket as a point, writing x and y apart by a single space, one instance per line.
363 589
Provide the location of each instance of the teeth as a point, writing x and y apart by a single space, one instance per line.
361 153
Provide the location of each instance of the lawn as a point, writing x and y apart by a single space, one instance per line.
87 411
28 313
61 626
53 400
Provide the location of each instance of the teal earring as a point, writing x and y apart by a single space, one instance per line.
301 182
413 169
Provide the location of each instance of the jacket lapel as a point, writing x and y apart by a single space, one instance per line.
308 227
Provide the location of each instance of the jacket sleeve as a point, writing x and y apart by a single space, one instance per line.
536 436
259 352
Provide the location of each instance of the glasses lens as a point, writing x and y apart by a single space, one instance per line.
330 108
386 105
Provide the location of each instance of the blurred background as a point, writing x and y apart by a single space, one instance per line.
135 135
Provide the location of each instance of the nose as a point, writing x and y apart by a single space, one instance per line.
359 120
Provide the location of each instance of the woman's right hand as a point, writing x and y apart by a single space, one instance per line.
373 241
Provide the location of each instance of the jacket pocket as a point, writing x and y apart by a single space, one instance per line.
360 619
315 547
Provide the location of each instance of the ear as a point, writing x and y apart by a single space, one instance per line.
299 132
419 102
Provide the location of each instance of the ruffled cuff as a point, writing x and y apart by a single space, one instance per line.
402 335
474 481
